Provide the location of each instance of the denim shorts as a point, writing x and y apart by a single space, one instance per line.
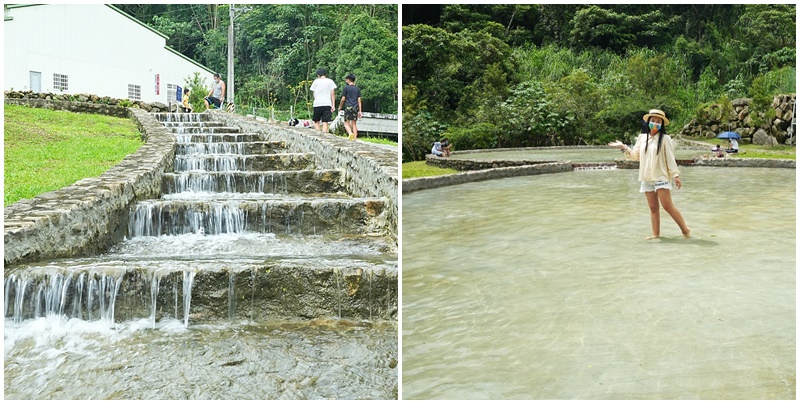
652 186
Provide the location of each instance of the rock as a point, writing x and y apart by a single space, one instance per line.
159 105
710 135
762 138
787 116
741 101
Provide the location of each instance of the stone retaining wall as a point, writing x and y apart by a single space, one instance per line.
472 165
88 103
745 162
92 214
369 171
417 184
720 162
739 120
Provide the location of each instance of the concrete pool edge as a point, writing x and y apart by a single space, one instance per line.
418 184
496 169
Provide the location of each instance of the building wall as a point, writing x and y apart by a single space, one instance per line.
100 50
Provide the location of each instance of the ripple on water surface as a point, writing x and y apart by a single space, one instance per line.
543 287
51 358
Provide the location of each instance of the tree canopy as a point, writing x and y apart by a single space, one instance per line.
505 75
278 47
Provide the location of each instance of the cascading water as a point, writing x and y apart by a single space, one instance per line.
238 210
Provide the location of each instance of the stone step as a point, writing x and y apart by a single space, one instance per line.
222 137
204 290
262 214
272 182
255 162
208 124
270 147
172 117
213 130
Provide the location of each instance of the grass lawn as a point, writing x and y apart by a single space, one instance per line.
766 152
416 169
47 150
754 150
379 140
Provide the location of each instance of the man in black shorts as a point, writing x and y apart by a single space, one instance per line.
324 99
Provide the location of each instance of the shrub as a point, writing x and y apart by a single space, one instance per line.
479 136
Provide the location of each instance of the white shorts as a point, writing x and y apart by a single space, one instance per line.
648 186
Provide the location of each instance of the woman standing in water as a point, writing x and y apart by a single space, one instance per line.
657 169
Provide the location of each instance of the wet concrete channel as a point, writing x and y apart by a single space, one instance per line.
254 276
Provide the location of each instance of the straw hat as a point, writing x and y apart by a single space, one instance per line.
657 113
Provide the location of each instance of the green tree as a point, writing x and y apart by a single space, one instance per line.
369 50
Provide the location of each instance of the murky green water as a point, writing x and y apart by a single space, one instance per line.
48 358
599 155
543 287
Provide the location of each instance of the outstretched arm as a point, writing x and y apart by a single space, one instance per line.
618 144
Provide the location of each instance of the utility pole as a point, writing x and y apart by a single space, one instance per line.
229 80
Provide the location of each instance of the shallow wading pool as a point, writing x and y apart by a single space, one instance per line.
544 287
576 155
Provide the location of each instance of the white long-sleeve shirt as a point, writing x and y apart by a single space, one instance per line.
654 166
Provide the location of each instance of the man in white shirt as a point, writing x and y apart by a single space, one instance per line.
437 149
734 146
324 99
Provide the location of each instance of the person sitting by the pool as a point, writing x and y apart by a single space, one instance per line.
718 150
437 149
446 147
734 146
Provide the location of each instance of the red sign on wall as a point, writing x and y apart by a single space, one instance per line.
158 84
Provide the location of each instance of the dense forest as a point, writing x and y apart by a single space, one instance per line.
278 48
509 75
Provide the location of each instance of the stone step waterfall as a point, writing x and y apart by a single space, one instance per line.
244 230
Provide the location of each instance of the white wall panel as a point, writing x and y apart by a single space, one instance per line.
101 50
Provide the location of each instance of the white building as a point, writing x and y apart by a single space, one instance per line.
90 49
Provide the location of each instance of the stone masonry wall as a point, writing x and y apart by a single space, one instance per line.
87 103
472 165
368 171
417 184
92 214
741 121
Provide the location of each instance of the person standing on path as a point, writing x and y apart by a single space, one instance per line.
657 168
351 103
217 94
324 99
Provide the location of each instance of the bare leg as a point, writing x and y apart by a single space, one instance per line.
655 215
665 197
348 130
355 130
325 127
316 125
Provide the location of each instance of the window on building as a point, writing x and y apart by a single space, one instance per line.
134 92
172 92
60 82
